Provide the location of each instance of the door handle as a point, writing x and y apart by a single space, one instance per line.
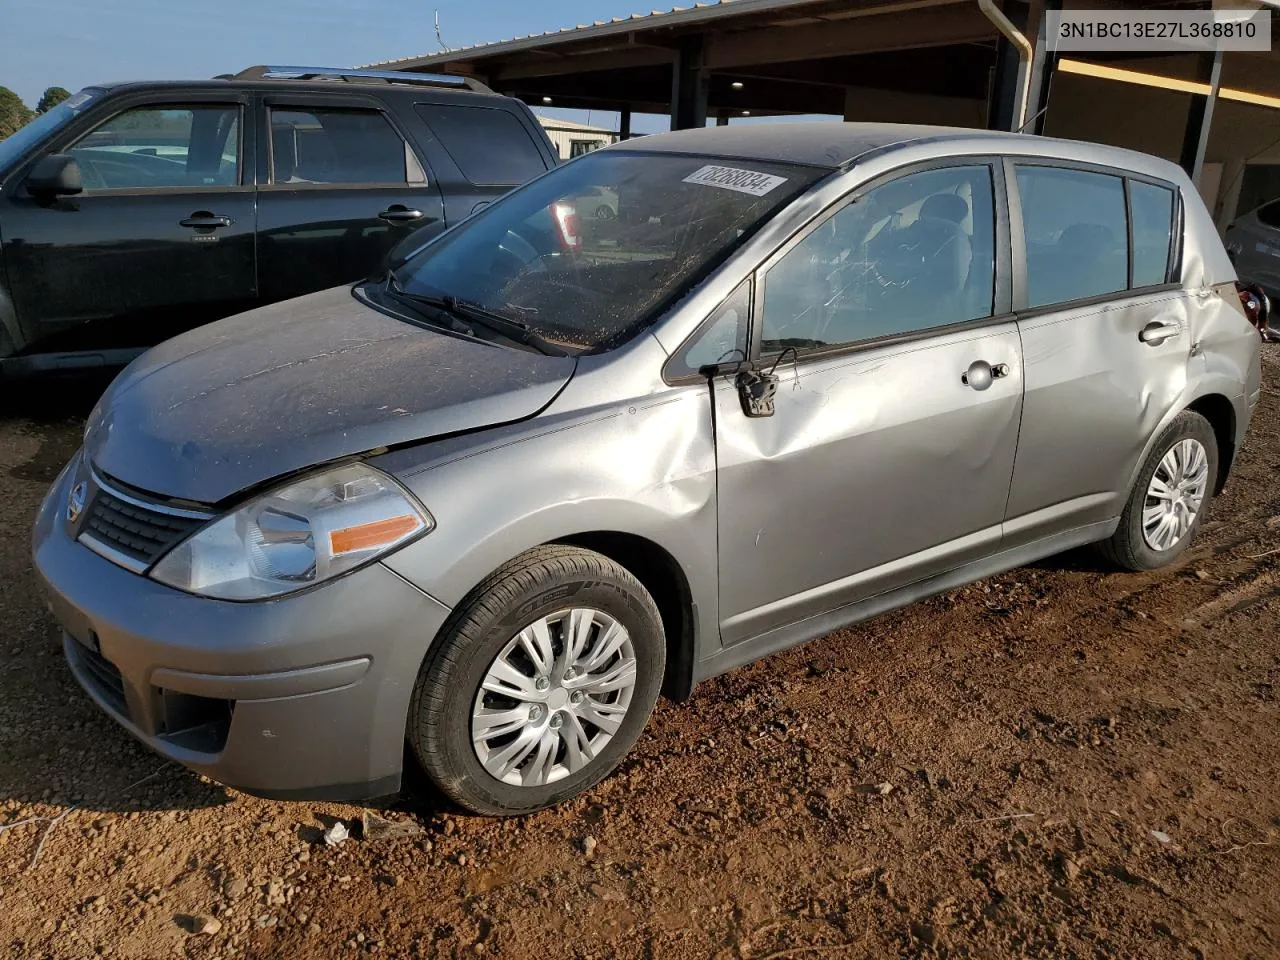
1154 334
981 374
398 213
202 218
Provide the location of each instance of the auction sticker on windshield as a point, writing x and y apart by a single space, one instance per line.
732 178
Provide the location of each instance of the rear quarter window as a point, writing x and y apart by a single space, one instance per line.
490 145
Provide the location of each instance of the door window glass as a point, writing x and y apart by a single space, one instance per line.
1074 224
912 254
490 146
196 146
1152 209
339 146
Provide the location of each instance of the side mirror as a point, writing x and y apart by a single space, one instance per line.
57 175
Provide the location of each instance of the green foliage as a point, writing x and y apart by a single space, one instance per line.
51 97
13 112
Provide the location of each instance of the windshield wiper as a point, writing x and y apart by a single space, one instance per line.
515 330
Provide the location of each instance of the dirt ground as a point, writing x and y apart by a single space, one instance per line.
1078 763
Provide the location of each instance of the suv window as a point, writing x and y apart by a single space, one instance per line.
339 146
490 146
1270 214
1152 221
915 253
1076 235
196 146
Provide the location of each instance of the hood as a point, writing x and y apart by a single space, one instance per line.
279 389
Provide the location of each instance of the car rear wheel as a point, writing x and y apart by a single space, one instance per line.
543 680
1169 499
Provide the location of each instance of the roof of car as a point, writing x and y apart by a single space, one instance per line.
833 145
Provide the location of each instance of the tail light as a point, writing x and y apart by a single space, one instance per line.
1257 307
566 218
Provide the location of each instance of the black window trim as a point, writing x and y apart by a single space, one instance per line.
300 105
1001 293
74 134
1173 272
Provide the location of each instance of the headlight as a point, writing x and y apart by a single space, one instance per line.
296 536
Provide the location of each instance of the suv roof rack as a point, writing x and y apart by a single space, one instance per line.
262 72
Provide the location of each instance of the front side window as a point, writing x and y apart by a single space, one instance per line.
154 146
912 254
1152 217
545 257
339 146
1076 235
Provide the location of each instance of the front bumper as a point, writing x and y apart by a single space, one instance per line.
302 697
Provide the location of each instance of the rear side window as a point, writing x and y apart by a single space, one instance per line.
1270 214
1151 209
490 146
1076 234
339 146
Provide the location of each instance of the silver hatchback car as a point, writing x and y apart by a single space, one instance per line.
552 464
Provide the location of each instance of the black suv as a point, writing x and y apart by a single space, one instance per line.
134 211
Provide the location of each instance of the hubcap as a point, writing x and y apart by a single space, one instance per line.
1174 495
554 697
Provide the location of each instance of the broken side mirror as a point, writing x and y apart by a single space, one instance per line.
756 389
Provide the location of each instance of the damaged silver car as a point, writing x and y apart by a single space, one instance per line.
494 502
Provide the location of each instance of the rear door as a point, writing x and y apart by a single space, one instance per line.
481 150
161 239
889 452
339 187
1105 334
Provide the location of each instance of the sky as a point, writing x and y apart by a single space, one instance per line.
75 43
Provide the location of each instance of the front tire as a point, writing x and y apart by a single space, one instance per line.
540 684
1170 497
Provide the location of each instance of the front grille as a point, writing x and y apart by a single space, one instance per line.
140 532
103 674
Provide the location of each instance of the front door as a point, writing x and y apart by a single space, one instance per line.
161 239
1107 340
890 449
341 187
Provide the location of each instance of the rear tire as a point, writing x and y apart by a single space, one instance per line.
502 713
1164 512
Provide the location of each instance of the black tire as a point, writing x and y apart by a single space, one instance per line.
536 584
1127 547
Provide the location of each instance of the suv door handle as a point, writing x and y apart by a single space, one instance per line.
398 213
202 218
981 374
1154 334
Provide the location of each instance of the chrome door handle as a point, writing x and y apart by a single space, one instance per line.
399 214
981 374
202 219
1154 334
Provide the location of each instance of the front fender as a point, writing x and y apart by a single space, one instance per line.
644 467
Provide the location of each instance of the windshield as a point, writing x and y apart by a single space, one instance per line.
14 146
591 253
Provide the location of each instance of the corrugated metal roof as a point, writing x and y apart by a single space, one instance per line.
676 16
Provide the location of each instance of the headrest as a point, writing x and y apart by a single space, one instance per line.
945 206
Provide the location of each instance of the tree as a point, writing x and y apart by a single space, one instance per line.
51 97
13 112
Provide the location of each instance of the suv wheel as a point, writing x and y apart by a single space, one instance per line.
1169 500
542 681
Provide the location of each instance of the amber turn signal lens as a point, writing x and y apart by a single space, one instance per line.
376 534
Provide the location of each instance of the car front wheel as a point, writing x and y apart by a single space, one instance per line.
541 683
